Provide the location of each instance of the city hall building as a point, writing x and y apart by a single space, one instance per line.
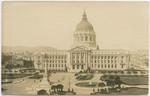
84 53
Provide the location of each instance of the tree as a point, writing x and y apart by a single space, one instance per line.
135 72
118 81
9 66
101 85
93 90
60 87
111 77
18 65
53 87
89 69
110 83
72 90
42 92
129 72
10 76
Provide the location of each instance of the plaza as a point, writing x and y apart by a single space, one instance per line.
31 86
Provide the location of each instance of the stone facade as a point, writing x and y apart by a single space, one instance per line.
84 53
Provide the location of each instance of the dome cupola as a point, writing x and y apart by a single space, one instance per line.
84 25
84 34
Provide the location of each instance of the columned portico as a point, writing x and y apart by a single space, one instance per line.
79 58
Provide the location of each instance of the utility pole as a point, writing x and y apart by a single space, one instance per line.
69 83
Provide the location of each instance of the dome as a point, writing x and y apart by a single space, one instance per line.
84 25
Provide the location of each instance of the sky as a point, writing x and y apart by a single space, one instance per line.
118 24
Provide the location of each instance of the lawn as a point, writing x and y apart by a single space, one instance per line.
132 91
14 76
135 80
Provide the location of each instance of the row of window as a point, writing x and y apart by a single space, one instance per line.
77 67
104 61
104 66
104 57
55 57
91 38
78 61
56 61
104 52
55 65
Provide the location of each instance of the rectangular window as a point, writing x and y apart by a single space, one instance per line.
115 66
95 65
111 66
105 65
111 61
73 66
98 66
95 61
82 66
102 66
108 66
77 66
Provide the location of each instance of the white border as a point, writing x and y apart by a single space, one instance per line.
70 0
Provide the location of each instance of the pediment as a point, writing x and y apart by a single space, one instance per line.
78 48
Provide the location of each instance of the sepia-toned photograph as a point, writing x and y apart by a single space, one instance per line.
74 47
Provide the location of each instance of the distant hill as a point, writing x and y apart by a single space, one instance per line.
140 52
25 49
